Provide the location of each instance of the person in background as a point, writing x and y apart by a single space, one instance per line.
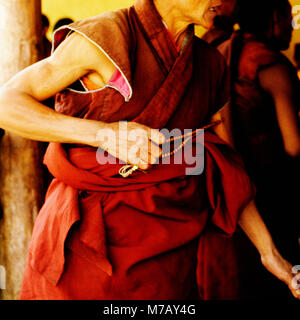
223 26
46 44
297 58
264 107
62 22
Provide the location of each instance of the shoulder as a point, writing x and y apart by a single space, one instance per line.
112 24
256 56
110 34
276 79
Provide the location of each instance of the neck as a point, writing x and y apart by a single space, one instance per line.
177 24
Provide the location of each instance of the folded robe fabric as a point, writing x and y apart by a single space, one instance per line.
65 206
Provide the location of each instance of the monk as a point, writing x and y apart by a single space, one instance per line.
131 229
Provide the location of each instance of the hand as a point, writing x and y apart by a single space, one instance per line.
283 270
131 142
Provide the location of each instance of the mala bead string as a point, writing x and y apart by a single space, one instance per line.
128 169
164 155
213 124
188 136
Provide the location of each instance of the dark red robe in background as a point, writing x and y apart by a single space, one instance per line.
100 236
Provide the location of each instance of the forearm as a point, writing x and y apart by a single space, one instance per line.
252 224
25 116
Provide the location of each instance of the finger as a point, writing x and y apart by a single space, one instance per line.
137 153
145 150
154 150
156 136
148 155
145 156
143 165
152 159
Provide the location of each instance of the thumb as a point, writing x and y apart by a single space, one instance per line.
156 136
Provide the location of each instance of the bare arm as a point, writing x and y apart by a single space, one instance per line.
22 112
277 81
254 227
251 222
20 109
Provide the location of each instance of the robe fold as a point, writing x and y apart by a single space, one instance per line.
100 236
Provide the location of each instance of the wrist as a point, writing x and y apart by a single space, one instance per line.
277 265
269 253
89 134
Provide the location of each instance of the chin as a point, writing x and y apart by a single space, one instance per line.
207 20
207 24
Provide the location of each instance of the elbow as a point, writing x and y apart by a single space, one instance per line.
294 154
293 151
4 96
7 95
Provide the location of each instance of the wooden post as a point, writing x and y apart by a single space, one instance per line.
20 159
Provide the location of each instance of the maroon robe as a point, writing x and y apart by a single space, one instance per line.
100 236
